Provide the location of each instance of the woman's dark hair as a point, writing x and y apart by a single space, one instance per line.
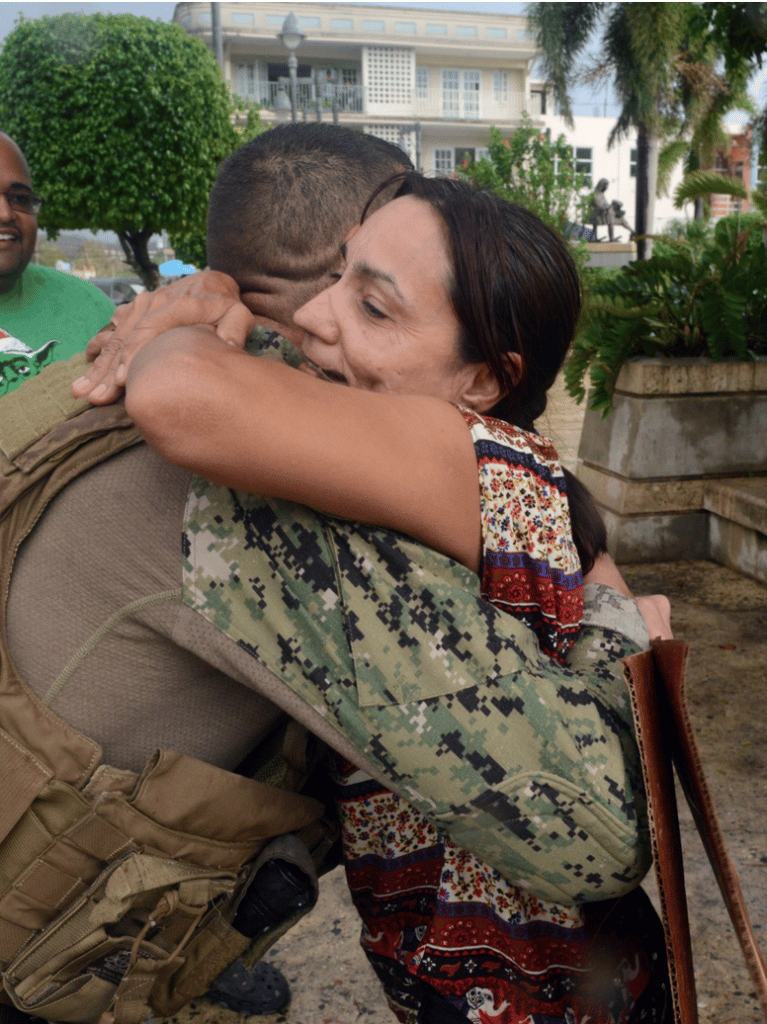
514 289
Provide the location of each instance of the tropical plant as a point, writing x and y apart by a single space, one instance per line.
662 59
534 171
689 299
123 121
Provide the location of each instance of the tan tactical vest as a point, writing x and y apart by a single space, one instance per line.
116 888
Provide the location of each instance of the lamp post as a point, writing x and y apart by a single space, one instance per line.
291 38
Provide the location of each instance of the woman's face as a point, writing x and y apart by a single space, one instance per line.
387 324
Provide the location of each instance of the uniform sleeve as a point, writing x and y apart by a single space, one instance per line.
530 765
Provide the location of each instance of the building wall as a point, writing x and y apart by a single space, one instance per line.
733 161
617 164
452 73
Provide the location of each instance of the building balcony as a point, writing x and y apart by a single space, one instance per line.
423 104
348 99
479 105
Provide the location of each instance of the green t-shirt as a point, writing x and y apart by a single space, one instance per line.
47 316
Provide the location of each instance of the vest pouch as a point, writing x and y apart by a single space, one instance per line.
138 915
224 818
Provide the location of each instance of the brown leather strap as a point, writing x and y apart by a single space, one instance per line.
665 734
654 738
671 662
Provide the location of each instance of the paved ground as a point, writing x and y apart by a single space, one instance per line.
723 615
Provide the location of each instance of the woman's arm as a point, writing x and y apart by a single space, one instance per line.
402 462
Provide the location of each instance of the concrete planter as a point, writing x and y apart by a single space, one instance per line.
611 254
677 426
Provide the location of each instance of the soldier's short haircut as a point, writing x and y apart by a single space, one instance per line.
282 203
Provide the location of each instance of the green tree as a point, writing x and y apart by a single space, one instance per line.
190 246
535 171
123 121
661 58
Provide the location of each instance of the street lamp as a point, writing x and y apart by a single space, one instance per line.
291 38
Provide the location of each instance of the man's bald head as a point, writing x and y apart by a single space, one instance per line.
282 204
18 229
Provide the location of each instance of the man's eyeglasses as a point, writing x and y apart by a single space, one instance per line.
23 202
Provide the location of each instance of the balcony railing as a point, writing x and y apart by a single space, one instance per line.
347 98
479 105
436 104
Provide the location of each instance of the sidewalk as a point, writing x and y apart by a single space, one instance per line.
723 616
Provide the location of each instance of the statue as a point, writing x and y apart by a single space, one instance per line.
600 211
619 217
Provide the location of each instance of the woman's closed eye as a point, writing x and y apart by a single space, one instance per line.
373 311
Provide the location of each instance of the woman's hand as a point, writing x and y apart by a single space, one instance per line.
208 297
656 612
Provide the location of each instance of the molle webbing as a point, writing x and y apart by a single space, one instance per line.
116 888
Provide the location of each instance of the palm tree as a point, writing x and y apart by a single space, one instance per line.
661 58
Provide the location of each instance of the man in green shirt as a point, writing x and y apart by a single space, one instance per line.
44 315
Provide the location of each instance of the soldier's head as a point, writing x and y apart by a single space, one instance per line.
282 204
18 214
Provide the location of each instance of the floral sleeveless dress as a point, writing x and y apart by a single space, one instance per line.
435 918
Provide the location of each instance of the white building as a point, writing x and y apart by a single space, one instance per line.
588 137
431 81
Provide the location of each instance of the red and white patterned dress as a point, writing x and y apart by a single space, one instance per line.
437 919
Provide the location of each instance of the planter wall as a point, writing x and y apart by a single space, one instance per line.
611 254
676 427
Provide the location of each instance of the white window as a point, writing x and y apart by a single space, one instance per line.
306 22
342 24
405 27
246 80
483 154
451 94
501 86
239 18
583 161
275 19
444 162
538 101
372 26
436 30
465 30
471 83
496 33
460 94
422 83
